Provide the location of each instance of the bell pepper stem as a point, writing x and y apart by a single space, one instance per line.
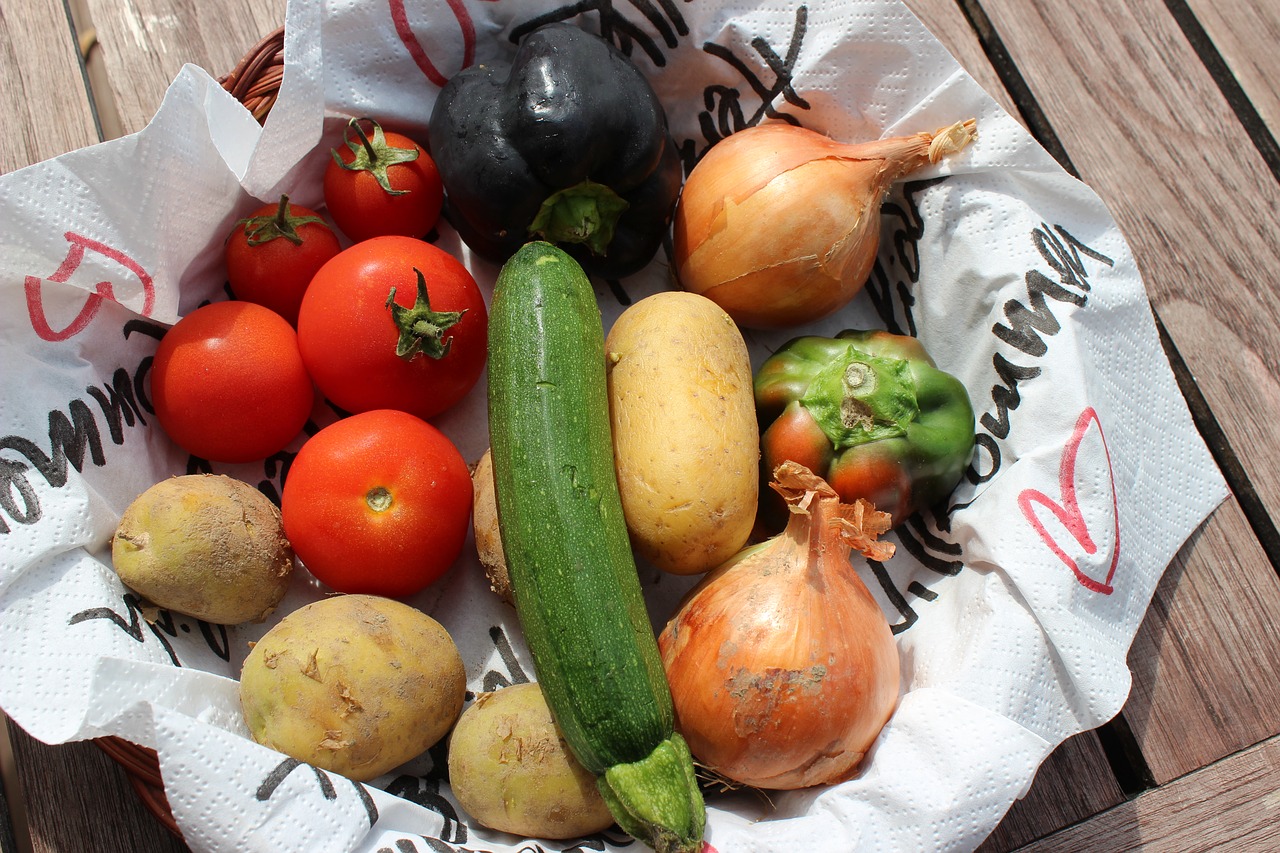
585 213
860 397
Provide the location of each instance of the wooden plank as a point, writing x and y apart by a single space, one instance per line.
1145 124
947 22
1205 661
1245 33
1073 784
144 43
12 815
44 99
76 793
1232 805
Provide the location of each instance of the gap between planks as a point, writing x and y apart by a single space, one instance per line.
1231 804
101 101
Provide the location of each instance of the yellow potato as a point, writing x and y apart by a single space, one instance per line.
484 524
685 441
208 546
511 770
356 684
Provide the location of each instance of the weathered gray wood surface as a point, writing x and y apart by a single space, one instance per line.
1229 805
43 98
79 799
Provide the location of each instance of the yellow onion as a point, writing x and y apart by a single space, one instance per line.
782 667
780 225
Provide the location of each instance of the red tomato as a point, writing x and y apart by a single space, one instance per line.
378 503
382 183
228 383
273 253
350 335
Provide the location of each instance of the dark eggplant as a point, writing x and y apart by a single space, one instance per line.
568 143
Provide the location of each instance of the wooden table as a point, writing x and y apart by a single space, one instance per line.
1169 110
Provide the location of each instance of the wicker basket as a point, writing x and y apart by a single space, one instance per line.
255 82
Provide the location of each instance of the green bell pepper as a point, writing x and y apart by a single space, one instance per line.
871 413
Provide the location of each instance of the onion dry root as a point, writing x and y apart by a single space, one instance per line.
782 666
780 225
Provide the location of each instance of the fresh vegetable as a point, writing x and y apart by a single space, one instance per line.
381 183
685 442
511 770
567 143
484 524
782 666
779 225
228 383
394 323
207 546
272 254
355 684
378 503
871 413
572 571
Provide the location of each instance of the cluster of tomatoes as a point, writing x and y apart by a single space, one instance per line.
391 330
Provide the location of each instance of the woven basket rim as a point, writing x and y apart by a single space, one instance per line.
255 82
141 766
255 79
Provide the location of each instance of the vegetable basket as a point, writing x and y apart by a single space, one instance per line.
1013 605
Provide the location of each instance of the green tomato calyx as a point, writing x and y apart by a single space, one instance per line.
421 329
372 153
283 223
379 499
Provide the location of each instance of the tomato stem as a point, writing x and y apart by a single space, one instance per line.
379 499
421 329
373 154
283 223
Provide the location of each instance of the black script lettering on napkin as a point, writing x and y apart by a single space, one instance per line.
933 552
891 287
73 434
426 793
1026 329
724 113
515 674
616 28
162 627
1027 325
282 770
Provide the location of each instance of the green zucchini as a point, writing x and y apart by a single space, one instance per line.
573 574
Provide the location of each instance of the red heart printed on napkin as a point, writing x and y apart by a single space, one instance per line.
79 245
1068 510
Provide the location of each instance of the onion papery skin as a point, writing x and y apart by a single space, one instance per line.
782 666
780 225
